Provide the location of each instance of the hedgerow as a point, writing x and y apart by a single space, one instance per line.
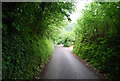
98 35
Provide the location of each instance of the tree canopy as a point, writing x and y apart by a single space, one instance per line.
28 32
98 35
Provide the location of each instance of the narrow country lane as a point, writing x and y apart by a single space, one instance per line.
64 65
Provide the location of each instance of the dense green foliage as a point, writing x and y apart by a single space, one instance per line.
28 33
67 44
98 37
67 37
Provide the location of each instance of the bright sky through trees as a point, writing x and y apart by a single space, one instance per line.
79 7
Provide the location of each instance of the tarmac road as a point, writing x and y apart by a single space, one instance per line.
64 65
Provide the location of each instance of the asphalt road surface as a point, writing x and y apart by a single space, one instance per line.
64 65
